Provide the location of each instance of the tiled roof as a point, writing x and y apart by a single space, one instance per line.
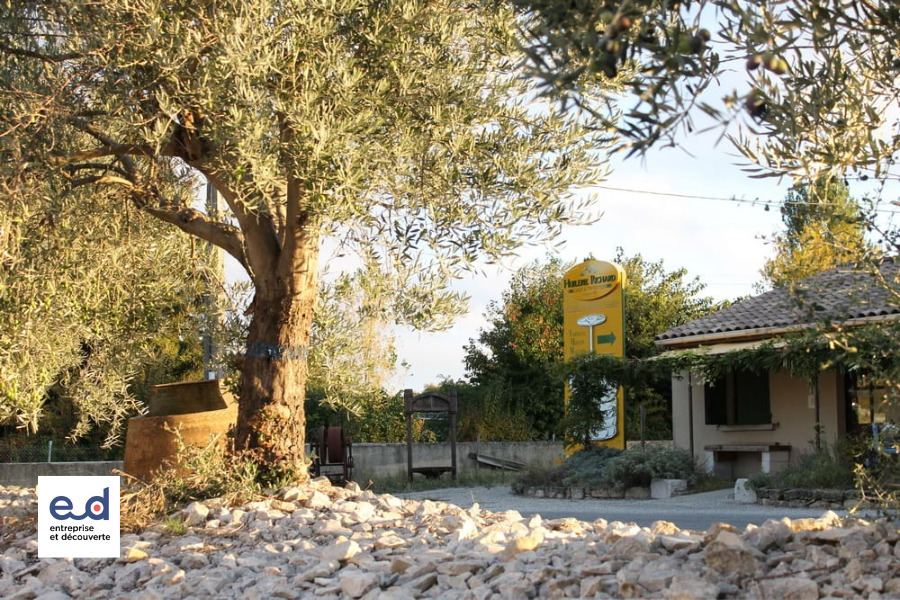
836 295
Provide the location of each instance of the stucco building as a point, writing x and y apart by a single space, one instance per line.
746 422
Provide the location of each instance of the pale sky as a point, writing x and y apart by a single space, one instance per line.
716 239
719 241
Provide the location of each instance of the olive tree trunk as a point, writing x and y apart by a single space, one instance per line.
271 417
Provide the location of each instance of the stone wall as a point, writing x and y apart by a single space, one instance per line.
26 474
371 460
808 498
389 460
659 489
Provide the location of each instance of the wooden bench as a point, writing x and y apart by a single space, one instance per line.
773 457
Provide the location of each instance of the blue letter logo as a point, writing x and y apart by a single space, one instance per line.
97 508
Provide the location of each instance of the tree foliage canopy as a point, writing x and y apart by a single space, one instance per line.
824 227
390 121
819 90
399 127
93 305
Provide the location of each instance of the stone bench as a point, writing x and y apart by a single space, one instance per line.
720 457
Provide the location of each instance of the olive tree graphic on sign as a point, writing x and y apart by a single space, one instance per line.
609 404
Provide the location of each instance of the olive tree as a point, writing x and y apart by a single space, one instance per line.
398 127
94 306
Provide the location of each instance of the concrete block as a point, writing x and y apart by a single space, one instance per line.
742 492
666 488
637 493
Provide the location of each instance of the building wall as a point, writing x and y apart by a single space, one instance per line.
793 418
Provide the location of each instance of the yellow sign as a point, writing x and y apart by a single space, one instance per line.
594 322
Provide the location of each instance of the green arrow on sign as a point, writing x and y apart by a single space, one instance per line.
609 338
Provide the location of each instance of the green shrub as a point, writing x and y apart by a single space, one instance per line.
586 467
671 463
630 469
829 467
601 466
203 472
637 467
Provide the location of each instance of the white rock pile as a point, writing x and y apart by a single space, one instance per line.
319 541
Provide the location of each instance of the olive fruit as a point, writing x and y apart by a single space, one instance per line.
624 23
756 105
777 65
697 44
754 62
607 64
609 68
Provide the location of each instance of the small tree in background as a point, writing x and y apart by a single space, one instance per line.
824 227
512 361
519 357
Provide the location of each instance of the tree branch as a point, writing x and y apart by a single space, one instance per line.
189 220
198 224
103 179
100 167
106 150
260 239
39 55
87 127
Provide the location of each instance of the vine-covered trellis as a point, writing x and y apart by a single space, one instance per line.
873 349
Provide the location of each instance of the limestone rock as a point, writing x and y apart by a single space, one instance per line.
133 555
630 546
341 551
637 493
729 554
687 586
657 575
318 500
313 540
356 583
673 543
743 493
195 514
401 565
770 534
663 528
789 588
524 543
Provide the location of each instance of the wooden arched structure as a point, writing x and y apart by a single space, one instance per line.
430 402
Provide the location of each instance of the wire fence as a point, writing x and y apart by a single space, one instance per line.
51 452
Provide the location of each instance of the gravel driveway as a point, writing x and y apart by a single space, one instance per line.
693 511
